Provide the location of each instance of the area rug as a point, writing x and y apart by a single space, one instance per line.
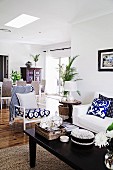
17 158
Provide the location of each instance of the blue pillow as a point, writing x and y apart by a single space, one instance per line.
110 109
99 108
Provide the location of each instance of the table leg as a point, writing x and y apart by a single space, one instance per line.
32 152
70 112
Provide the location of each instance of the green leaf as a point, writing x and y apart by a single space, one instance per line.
15 75
78 92
35 57
110 127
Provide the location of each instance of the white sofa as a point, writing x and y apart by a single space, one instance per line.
90 122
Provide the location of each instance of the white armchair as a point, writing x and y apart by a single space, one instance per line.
90 122
24 105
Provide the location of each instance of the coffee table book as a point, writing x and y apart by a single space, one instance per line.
49 134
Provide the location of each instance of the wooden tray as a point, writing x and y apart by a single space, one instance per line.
50 135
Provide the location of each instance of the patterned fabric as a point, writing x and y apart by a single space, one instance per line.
99 108
33 113
110 109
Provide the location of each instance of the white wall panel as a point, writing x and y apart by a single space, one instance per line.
87 38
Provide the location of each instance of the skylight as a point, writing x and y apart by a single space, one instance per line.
21 21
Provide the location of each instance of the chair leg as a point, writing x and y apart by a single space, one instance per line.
1 104
24 126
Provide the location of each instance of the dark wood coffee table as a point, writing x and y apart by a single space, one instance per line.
75 156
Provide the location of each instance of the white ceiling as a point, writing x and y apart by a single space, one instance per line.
56 18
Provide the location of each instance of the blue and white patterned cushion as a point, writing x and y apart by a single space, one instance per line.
33 113
99 108
110 109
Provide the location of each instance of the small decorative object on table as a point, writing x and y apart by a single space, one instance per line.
50 128
28 64
82 137
64 138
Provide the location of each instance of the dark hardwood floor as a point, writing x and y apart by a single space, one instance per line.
11 135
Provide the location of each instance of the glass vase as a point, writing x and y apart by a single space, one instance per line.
109 159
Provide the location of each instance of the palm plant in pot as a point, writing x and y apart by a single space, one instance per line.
35 58
68 72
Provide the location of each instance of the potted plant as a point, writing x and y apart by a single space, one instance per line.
15 75
68 73
35 58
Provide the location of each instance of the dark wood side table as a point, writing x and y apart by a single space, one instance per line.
70 105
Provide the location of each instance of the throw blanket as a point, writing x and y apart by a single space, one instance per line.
14 99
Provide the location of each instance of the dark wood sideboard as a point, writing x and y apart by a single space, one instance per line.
31 74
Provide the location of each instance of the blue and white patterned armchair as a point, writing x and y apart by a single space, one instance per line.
24 105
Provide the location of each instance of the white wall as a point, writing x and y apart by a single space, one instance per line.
19 54
87 38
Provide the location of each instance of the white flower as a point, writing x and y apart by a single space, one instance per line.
101 139
109 134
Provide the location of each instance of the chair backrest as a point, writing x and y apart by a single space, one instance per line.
6 79
14 99
6 88
21 83
35 85
43 84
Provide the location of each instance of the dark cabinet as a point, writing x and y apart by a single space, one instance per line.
30 74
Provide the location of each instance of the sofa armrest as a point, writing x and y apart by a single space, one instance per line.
79 110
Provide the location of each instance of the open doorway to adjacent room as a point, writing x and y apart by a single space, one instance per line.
3 67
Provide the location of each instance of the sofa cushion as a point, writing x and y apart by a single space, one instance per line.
94 123
110 109
99 108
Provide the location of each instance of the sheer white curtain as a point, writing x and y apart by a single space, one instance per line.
53 59
51 74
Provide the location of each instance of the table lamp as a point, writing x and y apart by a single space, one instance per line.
70 86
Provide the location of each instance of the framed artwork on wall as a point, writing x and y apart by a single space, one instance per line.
105 60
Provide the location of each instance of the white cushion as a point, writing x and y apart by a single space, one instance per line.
94 123
27 100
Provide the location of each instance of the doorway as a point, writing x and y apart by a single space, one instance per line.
3 67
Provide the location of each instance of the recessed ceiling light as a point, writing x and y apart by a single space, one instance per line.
21 21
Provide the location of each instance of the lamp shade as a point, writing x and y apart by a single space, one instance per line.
70 86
